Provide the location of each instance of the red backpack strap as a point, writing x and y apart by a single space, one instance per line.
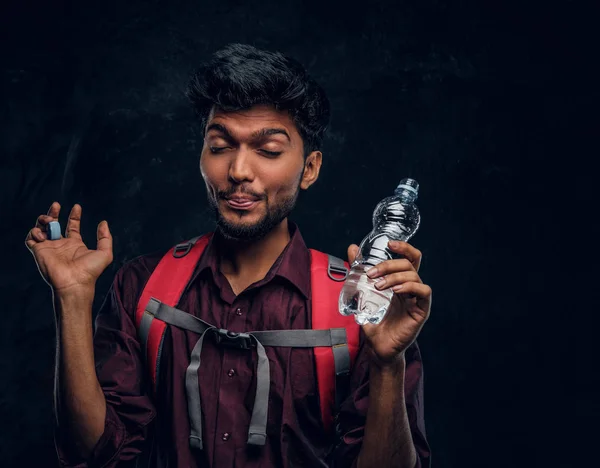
326 287
166 284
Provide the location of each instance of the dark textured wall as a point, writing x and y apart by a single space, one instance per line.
471 99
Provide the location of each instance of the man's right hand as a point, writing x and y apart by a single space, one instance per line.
66 264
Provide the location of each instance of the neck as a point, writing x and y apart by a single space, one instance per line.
251 261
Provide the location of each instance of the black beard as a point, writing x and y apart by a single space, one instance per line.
249 233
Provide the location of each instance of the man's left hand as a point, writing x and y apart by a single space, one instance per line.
410 306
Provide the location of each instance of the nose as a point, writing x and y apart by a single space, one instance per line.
240 168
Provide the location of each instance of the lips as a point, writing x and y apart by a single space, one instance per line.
242 203
242 199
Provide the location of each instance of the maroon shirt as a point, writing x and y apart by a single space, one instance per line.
160 429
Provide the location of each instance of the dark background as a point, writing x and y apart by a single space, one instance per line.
479 101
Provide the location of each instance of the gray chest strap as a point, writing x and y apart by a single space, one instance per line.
257 433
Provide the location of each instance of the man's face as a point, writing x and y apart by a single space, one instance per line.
253 165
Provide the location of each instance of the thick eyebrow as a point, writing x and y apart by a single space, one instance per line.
270 131
219 128
255 135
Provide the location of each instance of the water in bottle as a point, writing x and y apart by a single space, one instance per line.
395 218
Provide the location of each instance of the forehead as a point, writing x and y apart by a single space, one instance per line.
247 121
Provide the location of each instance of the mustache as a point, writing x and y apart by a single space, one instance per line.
238 191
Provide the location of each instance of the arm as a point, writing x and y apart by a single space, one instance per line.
387 440
102 413
79 391
359 413
107 421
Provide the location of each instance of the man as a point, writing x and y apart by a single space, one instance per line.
264 120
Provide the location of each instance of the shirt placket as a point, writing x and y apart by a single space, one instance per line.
231 433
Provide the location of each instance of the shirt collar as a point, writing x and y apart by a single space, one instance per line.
293 263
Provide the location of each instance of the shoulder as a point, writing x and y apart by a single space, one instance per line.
139 269
132 276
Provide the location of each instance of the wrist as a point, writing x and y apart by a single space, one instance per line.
78 293
392 367
76 302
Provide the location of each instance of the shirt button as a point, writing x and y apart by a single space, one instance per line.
226 436
231 372
238 311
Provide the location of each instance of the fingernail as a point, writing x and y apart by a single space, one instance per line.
372 272
380 283
394 244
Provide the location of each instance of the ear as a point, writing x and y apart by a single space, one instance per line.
312 166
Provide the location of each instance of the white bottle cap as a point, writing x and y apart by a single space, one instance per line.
409 188
409 184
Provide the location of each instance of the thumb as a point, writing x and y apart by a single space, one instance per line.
352 253
104 237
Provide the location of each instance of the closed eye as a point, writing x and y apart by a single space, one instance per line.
271 153
220 149
217 149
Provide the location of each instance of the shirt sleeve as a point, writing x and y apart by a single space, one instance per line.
120 372
352 416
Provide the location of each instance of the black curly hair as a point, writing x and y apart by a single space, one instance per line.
241 76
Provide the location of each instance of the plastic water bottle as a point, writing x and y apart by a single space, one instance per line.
395 218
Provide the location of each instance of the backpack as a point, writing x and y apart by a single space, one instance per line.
334 336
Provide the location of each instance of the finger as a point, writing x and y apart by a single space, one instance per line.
413 254
39 234
105 240
74 222
395 279
421 291
30 243
390 266
35 236
352 253
54 211
43 221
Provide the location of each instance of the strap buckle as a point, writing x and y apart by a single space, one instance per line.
337 269
181 250
232 339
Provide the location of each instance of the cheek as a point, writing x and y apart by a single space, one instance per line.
277 182
283 192
210 173
281 174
